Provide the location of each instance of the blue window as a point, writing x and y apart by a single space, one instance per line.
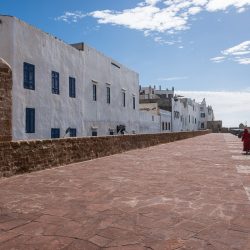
108 95
94 132
55 133
28 76
133 102
30 120
94 92
124 99
72 132
72 87
55 82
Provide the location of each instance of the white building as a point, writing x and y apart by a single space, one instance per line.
149 123
59 88
206 114
185 114
153 93
163 117
188 115
176 113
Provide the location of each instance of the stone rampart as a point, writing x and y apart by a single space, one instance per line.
27 156
5 101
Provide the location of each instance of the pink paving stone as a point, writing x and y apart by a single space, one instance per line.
181 195
8 225
100 241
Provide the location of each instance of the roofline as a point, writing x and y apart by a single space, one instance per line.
58 39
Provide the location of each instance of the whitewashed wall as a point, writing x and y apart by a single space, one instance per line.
149 123
20 42
165 117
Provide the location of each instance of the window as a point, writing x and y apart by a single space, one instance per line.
108 94
202 125
30 120
28 76
72 87
55 133
162 126
72 132
94 132
111 132
94 92
55 82
123 99
203 115
176 115
189 118
169 126
195 120
153 118
166 125
133 102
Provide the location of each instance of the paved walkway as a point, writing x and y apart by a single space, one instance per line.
190 194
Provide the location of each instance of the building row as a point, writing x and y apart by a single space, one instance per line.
60 90
177 113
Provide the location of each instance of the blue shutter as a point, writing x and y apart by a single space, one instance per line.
55 82
108 95
72 132
30 120
28 76
72 87
55 133
94 92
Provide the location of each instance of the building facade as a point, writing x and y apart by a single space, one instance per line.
65 90
206 115
176 113
162 116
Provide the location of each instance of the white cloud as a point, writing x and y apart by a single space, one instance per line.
216 5
194 10
162 41
175 78
243 60
218 59
158 16
242 47
232 108
164 15
236 53
71 17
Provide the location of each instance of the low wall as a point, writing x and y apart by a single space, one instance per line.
27 156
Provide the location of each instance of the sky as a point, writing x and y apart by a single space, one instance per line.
200 47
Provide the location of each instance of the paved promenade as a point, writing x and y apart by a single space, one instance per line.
190 194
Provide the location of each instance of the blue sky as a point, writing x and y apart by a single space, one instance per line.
201 47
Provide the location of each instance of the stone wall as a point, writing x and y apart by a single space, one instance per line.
215 126
27 156
5 101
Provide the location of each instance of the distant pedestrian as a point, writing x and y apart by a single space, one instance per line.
246 141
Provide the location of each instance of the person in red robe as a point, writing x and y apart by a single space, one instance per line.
246 141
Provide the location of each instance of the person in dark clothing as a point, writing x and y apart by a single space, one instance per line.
246 141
